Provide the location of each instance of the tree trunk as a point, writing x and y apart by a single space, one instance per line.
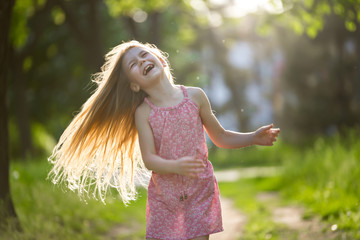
357 73
7 211
21 107
131 26
94 35
20 79
89 37
155 28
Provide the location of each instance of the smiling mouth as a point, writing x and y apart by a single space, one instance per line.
148 68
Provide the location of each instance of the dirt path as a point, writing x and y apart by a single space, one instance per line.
295 226
232 175
292 225
290 219
233 222
125 232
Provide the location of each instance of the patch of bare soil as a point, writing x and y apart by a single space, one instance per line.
231 175
296 227
126 232
233 222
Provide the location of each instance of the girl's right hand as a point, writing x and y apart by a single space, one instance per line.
189 166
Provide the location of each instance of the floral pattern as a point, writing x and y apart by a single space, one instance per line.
180 207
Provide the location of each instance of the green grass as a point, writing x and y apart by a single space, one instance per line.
259 225
250 156
49 212
324 177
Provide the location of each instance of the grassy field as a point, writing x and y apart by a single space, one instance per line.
50 212
259 225
323 177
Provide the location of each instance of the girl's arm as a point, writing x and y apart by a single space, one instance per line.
265 135
188 166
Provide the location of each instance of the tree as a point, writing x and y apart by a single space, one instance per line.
58 44
20 58
320 83
6 205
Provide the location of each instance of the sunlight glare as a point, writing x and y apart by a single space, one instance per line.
240 8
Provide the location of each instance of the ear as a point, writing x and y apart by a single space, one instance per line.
134 87
163 62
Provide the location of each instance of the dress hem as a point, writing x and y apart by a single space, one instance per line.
190 237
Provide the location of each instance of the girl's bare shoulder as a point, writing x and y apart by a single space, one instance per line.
142 111
197 95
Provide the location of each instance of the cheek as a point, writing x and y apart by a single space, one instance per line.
133 75
129 73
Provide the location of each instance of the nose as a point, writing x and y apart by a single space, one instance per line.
141 61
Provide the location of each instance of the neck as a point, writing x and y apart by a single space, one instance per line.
161 91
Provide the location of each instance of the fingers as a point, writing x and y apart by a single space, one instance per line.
275 130
194 172
196 167
192 160
268 127
191 166
274 134
271 139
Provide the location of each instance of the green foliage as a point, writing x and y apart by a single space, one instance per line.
48 212
58 15
27 64
22 11
325 178
309 16
19 30
43 141
251 156
259 225
128 8
57 53
322 176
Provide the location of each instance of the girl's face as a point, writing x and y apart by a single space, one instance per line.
142 67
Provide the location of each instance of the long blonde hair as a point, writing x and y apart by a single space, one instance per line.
99 149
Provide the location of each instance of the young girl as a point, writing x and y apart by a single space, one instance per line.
137 101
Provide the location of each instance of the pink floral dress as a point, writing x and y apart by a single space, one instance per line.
180 207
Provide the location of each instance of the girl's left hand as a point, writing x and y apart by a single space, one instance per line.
266 135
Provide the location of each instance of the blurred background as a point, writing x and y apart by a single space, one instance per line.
294 63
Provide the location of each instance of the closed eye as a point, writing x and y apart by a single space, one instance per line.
141 54
131 65
144 54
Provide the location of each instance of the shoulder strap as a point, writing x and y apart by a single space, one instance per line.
184 90
149 103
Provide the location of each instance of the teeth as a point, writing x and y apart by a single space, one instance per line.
147 68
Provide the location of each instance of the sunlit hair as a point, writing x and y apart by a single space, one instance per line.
99 149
